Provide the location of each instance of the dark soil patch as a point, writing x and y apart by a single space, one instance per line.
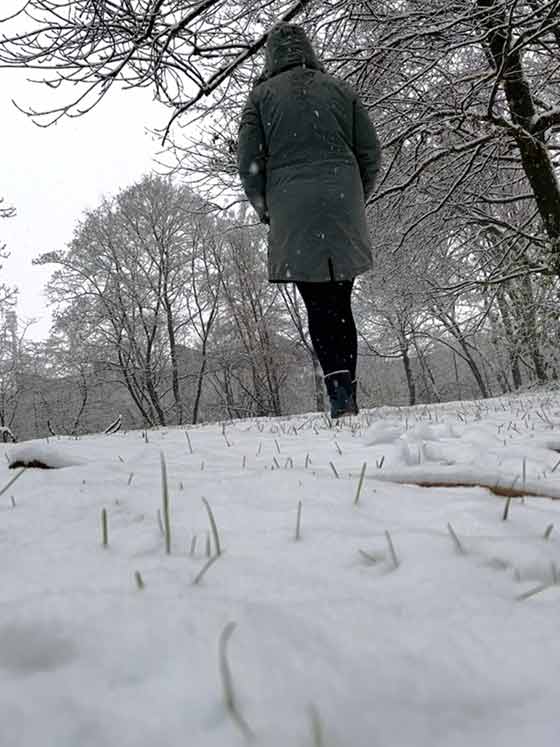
32 463
502 491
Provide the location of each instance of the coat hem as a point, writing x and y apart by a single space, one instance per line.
297 278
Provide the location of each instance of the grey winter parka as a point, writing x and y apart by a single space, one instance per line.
308 160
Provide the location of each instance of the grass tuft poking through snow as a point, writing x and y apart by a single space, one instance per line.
439 653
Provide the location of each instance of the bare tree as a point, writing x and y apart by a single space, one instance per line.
123 278
7 294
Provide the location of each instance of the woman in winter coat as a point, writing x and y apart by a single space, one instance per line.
308 160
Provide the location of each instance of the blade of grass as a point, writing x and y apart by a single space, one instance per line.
392 550
298 521
230 700
104 528
456 540
165 501
213 527
200 575
11 482
360 483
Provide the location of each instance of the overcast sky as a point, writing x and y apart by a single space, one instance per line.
52 175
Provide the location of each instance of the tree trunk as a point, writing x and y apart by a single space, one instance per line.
174 363
512 344
199 381
85 393
408 373
534 154
454 329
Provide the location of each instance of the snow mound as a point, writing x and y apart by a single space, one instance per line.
383 432
47 456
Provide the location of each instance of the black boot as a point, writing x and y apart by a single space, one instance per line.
339 389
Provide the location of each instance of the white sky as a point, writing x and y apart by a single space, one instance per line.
52 175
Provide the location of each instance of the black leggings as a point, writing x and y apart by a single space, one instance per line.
331 324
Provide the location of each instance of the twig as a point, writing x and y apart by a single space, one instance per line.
334 470
506 509
189 441
213 527
548 531
139 580
360 483
130 478
230 700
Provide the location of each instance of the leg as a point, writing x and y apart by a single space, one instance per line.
331 324
334 338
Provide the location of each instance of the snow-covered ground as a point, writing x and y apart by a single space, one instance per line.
335 643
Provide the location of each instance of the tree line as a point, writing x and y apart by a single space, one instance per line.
465 220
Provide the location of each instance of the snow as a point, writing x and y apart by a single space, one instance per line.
330 636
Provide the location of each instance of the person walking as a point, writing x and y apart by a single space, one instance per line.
308 161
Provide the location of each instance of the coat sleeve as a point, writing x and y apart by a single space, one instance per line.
252 159
367 147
